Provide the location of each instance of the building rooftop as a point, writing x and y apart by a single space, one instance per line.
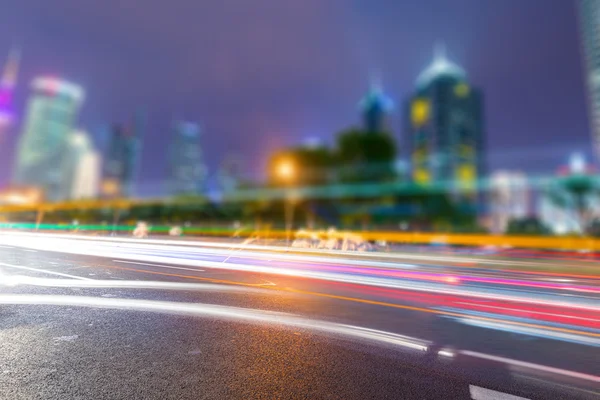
439 67
375 97
58 87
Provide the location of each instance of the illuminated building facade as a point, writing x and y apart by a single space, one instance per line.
375 108
51 114
21 196
510 198
187 172
122 160
8 82
445 127
590 35
81 168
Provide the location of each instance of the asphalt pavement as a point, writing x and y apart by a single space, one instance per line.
87 319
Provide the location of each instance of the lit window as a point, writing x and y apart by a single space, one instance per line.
420 112
422 176
461 90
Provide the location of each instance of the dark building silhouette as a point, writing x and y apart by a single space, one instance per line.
187 172
375 108
122 159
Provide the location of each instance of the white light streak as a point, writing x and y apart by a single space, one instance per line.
532 366
221 312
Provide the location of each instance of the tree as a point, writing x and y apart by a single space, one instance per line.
527 226
576 191
311 166
365 156
594 228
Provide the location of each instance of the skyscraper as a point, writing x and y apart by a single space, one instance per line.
590 35
375 108
122 159
445 127
230 174
81 168
51 114
187 172
8 82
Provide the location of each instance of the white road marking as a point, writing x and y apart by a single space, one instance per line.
157 265
446 353
479 393
44 271
31 251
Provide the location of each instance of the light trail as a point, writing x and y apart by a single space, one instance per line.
346 275
15 280
159 266
575 303
458 313
596 320
221 312
528 365
539 332
280 249
344 265
378 275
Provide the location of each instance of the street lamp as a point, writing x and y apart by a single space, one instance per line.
286 171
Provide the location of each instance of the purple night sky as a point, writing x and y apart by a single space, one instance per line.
259 74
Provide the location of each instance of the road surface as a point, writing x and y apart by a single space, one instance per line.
85 318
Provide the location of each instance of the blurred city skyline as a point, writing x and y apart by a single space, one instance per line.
265 75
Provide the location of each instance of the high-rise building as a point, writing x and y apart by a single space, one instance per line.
375 108
122 159
445 127
81 168
187 172
589 11
230 174
509 198
51 114
8 81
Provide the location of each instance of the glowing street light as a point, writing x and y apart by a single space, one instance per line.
286 170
